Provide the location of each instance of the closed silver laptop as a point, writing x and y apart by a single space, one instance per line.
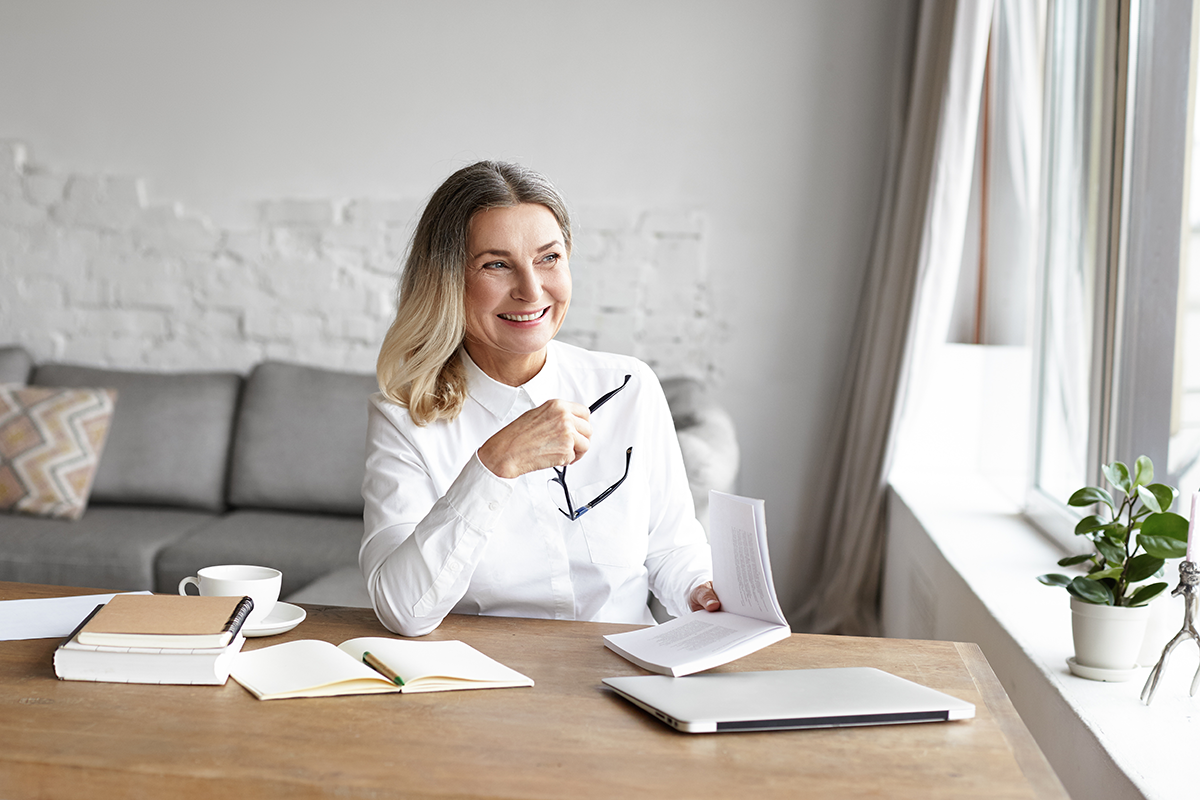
788 699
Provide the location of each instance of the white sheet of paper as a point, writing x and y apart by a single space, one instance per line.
750 617
741 568
679 641
47 617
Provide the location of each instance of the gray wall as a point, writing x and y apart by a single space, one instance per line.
766 118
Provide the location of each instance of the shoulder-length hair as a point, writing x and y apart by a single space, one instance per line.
419 365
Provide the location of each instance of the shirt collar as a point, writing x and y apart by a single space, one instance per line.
546 384
499 398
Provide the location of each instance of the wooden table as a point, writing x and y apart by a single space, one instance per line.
567 737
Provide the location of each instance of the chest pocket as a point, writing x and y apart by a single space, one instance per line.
615 531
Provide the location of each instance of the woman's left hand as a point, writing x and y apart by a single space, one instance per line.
703 597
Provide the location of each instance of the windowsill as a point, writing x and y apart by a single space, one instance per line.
961 565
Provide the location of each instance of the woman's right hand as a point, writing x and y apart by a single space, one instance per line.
554 434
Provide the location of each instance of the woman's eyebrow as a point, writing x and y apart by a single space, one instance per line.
507 254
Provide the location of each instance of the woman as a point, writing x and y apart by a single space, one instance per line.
470 505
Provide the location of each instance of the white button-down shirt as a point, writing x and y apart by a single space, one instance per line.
442 533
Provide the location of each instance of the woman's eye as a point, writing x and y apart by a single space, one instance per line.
494 265
551 258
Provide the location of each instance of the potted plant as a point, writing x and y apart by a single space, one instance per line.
1131 541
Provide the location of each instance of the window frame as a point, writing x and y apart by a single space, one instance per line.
1144 129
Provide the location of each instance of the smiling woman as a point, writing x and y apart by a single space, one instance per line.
480 413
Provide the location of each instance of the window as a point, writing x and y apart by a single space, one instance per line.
1184 451
1117 83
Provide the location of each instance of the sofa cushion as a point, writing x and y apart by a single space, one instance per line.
302 546
50 444
342 587
15 364
113 547
170 436
707 440
300 442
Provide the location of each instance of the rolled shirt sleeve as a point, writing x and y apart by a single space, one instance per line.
428 542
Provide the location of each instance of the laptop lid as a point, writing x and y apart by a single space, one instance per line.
788 699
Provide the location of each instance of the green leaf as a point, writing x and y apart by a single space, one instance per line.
1143 471
1054 579
1149 500
1142 567
1091 523
1090 591
1092 494
1118 475
1113 552
1167 524
1165 495
1163 547
1112 573
1071 561
1146 594
1164 535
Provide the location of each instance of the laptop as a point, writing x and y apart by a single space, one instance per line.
787 699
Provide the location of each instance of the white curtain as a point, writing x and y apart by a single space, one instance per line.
906 304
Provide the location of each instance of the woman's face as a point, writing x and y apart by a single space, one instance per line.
518 289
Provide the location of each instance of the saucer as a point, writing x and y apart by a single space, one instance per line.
283 617
1099 673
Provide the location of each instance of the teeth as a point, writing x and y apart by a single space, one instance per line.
523 317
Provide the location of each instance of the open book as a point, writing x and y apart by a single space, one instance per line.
750 617
369 665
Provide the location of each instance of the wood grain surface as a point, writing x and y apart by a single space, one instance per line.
567 737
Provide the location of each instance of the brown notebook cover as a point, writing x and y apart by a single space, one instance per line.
165 620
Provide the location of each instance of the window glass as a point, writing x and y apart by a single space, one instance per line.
1184 453
1076 208
1115 243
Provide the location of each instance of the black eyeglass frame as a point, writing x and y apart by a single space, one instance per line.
561 472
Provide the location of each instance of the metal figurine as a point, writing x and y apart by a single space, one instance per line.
1189 578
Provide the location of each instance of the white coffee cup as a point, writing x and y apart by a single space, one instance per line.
261 584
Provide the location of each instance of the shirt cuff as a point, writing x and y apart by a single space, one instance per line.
478 496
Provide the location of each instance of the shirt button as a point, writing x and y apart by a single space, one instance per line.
493 506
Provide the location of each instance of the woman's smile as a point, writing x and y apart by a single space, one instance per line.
530 317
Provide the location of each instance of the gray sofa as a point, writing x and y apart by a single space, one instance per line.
204 468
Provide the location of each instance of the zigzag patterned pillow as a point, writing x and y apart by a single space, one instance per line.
50 444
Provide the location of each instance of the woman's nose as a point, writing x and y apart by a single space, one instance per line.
527 284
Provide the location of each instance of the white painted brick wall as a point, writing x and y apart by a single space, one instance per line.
91 273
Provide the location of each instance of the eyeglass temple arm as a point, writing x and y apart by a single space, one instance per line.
613 488
608 396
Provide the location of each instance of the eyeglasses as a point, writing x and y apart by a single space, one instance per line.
571 512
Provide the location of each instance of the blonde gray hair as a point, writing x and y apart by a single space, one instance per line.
420 365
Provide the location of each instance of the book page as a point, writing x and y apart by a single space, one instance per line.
741 566
414 661
305 668
685 639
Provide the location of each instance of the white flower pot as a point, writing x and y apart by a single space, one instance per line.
1108 637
